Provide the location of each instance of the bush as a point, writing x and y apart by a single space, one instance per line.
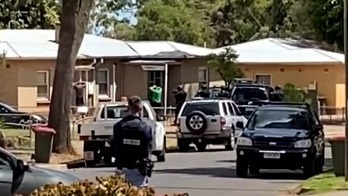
114 185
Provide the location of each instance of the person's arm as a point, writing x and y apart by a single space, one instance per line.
148 137
114 139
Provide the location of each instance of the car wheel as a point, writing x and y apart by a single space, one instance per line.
201 146
319 164
309 168
90 146
242 168
231 141
184 146
162 156
254 169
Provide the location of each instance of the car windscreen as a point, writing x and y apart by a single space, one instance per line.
246 94
279 119
208 108
117 111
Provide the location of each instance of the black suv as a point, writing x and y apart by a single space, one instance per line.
281 136
247 96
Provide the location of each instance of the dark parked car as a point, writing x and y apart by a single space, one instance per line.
16 177
281 136
15 118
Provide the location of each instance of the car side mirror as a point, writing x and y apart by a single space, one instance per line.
21 166
240 125
318 127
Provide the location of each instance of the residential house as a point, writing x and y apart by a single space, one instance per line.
280 61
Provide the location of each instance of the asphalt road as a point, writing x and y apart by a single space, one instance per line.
209 173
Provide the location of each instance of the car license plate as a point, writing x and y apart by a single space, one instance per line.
271 155
88 155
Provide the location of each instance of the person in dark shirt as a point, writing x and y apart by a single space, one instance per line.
180 97
132 145
203 92
278 93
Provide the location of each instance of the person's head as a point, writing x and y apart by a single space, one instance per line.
180 87
277 88
204 86
134 104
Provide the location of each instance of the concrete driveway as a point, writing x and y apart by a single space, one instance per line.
209 173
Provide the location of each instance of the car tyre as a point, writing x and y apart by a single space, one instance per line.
201 146
91 146
231 141
254 170
319 164
309 168
183 145
242 168
162 156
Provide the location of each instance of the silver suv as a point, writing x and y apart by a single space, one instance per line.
208 121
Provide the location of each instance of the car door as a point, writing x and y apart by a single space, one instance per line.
230 117
149 116
6 175
238 113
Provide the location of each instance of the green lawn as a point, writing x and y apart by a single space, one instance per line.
322 183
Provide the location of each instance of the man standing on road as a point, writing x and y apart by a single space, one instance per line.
204 92
180 97
132 144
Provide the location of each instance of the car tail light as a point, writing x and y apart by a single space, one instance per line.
222 121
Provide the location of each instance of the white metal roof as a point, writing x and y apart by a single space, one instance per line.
38 44
271 50
152 48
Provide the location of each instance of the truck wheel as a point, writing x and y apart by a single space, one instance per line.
242 168
162 156
91 146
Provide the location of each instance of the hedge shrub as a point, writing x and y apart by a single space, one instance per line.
115 185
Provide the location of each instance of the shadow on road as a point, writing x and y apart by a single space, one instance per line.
226 161
223 172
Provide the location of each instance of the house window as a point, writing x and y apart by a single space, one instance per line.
156 77
103 82
263 79
203 75
43 86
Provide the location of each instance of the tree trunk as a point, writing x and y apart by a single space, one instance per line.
74 19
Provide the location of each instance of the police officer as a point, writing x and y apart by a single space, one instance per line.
132 145
278 93
180 97
203 92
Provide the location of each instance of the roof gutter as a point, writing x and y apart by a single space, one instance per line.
89 66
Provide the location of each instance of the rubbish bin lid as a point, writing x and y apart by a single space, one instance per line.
43 129
336 138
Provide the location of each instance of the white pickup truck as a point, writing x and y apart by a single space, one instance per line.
96 134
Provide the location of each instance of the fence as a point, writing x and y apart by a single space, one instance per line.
332 115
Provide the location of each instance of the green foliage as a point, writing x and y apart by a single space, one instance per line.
225 65
109 186
31 14
172 20
321 20
293 94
